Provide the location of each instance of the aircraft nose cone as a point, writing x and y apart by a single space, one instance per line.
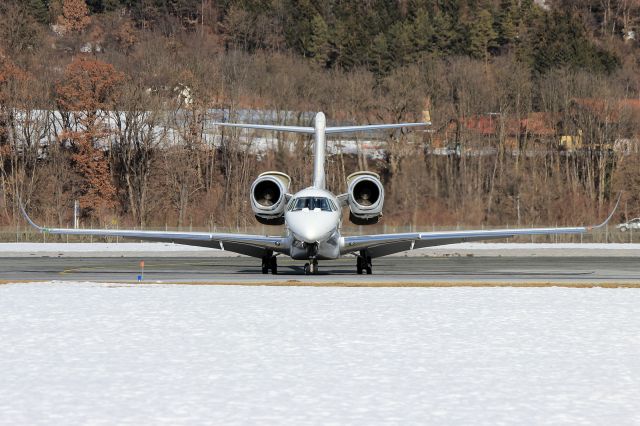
309 230
310 235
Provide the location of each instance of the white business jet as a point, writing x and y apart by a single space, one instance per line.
312 217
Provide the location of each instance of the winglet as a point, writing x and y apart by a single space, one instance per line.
26 216
610 215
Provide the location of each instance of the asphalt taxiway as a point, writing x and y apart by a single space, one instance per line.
386 271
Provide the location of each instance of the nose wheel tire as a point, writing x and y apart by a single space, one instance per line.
311 268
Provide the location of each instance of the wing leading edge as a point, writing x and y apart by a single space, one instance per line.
385 244
250 245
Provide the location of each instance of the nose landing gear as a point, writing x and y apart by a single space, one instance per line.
311 267
363 263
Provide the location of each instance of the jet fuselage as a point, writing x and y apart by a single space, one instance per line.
312 219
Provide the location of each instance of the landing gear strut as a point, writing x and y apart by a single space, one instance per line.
311 267
269 262
363 263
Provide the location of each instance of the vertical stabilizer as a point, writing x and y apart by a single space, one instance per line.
320 130
320 127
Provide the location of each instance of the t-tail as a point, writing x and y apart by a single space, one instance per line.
320 130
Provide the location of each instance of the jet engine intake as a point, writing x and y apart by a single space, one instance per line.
269 197
366 198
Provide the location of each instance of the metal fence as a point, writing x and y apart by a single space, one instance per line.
608 234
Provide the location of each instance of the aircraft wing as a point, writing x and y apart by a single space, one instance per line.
385 244
250 245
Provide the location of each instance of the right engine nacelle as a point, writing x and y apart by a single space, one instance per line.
366 198
268 197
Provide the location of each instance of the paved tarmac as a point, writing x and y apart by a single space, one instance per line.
386 271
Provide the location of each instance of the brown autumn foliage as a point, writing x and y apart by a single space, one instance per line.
75 16
96 189
87 87
9 72
116 131
86 94
10 76
126 36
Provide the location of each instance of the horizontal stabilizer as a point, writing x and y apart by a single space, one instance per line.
294 129
328 130
351 129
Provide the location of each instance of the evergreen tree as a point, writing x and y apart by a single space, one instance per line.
443 36
39 9
400 42
560 41
422 32
507 24
319 41
482 36
297 27
380 58
99 6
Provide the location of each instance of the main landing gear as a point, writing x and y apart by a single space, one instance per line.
311 267
269 262
363 263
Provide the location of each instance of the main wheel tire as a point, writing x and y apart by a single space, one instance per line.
359 265
273 265
369 269
306 269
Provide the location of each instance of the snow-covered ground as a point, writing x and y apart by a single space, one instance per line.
175 250
82 353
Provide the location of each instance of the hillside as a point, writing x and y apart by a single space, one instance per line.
534 106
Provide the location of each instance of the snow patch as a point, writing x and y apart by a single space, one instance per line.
84 353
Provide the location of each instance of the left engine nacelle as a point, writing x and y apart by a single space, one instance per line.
269 197
366 198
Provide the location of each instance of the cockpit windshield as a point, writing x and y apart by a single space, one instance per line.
312 203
